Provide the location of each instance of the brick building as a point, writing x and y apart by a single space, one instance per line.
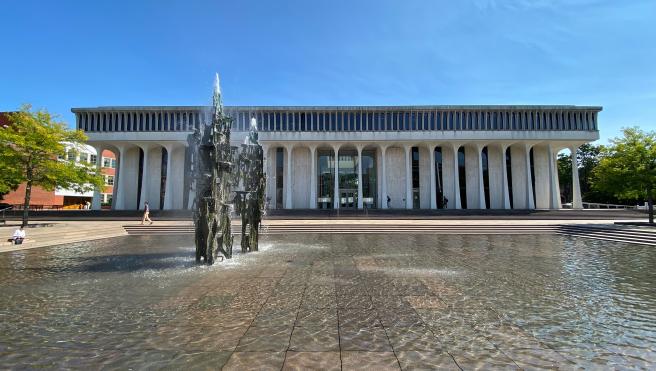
66 198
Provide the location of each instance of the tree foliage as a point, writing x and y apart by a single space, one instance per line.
587 159
29 150
565 176
9 176
627 168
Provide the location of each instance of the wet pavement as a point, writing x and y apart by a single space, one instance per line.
332 302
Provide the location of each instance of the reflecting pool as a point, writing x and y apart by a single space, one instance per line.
332 301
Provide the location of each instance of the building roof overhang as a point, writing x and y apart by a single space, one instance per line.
348 108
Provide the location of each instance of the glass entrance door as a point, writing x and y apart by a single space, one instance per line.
348 199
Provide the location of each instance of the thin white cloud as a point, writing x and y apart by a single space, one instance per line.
532 4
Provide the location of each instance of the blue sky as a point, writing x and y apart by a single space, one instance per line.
63 54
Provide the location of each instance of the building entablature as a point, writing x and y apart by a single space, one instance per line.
344 119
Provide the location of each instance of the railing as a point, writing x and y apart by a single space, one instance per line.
596 205
4 220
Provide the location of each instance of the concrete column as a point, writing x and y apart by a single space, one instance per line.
472 176
456 178
289 176
383 197
408 176
119 202
360 177
96 202
542 174
554 194
154 182
506 192
336 197
313 177
555 164
168 187
495 174
481 184
529 183
433 186
145 177
577 202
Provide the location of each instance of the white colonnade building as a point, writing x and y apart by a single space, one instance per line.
400 157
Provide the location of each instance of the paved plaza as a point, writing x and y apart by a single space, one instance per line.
329 301
55 228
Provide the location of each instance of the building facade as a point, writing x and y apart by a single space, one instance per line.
409 157
62 198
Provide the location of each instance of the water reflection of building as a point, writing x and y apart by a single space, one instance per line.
422 157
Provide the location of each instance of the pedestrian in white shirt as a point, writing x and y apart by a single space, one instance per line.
146 214
19 236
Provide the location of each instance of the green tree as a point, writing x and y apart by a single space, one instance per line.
587 158
627 168
565 176
29 150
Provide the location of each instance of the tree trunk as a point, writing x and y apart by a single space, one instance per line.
650 205
26 204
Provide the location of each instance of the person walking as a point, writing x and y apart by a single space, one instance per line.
146 214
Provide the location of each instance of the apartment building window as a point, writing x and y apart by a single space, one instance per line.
109 162
84 157
93 159
109 180
107 198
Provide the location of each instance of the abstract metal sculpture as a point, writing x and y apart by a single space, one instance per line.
213 178
251 200
212 173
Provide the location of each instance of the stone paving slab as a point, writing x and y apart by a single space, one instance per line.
332 302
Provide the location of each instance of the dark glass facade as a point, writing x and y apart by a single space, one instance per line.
280 160
369 175
325 179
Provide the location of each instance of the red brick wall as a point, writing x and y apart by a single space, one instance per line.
4 120
108 171
38 197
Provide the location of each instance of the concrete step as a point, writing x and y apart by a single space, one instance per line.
612 234
600 233
608 238
355 229
627 232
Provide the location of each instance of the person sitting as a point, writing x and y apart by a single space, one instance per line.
19 236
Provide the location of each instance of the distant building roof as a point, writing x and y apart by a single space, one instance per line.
4 118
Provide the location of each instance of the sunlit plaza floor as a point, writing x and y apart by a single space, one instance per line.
329 301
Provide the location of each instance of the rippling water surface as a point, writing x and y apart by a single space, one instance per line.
334 302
